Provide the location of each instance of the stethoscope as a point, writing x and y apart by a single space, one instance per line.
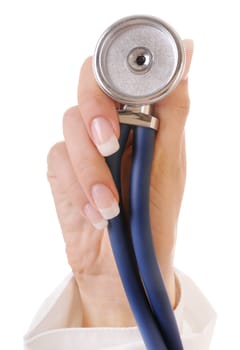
139 60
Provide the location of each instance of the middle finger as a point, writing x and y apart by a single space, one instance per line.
90 167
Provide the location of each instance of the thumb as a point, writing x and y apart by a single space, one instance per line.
172 111
188 45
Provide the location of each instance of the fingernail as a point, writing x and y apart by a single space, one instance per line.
105 201
104 137
189 46
94 217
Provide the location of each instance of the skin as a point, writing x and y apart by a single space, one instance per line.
75 165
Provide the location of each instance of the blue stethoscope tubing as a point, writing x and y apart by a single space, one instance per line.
133 247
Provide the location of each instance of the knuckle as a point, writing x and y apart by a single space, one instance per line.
91 103
55 151
87 63
55 158
85 168
183 106
70 114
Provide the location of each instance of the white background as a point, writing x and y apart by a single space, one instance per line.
42 46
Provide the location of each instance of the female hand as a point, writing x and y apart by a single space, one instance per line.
85 195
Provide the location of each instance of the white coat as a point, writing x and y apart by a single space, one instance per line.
57 325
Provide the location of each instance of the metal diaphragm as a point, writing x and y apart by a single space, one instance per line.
139 60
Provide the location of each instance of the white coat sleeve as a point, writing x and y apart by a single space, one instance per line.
57 324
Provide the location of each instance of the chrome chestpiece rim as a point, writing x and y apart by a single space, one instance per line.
139 60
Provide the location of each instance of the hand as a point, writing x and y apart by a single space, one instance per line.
85 195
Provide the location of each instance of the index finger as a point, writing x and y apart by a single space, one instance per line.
98 112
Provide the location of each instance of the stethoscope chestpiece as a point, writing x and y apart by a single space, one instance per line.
139 60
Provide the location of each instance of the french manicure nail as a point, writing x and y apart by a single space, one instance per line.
94 217
104 137
105 201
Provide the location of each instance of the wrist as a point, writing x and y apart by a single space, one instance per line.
106 305
172 287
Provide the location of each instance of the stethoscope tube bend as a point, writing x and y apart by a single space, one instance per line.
126 261
133 247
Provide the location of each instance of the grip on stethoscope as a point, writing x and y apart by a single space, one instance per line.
138 61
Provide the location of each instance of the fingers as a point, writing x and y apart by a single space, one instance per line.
98 112
71 203
89 166
91 131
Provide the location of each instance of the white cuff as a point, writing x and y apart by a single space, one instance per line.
57 325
